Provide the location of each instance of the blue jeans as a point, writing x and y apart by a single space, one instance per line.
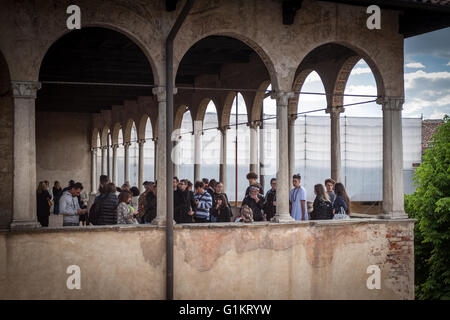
56 207
213 219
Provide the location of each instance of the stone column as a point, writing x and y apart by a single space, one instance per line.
283 180
198 125
335 142
104 160
126 175
141 165
223 156
93 170
392 158
176 153
261 155
254 146
24 155
291 134
161 158
155 164
114 163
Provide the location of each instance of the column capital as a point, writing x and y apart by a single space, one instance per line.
115 146
161 93
103 147
25 89
292 118
141 141
254 124
336 110
94 150
126 144
223 129
155 139
391 103
282 97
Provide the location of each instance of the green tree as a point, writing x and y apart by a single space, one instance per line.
430 205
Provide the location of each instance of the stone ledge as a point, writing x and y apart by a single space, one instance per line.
218 225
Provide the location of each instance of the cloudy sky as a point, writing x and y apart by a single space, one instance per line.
427 82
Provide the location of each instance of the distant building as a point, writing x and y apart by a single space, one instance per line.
428 129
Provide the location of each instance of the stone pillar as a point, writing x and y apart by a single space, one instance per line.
176 153
24 155
104 160
161 158
335 142
155 164
141 165
261 156
254 146
283 180
392 158
126 175
114 164
198 125
93 170
291 134
223 156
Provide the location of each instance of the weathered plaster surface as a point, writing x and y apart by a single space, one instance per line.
326 260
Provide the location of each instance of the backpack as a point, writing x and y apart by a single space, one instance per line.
94 211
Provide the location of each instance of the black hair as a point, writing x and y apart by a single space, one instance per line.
199 184
205 181
297 176
272 180
134 191
77 185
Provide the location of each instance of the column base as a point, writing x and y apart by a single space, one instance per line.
161 222
393 215
24 225
283 217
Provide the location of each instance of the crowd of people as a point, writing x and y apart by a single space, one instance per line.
203 201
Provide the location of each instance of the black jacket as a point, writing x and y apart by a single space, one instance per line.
149 207
43 209
339 202
322 210
182 206
256 207
223 214
108 209
269 208
57 193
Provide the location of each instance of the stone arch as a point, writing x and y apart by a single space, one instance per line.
255 111
341 80
95 134
115 133
178 118
109 26
104 135
141 127
201 109
127 130
226 110
357 52
184 46
297 87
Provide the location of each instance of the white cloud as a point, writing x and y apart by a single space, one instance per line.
358 71
415 65
436 115
420 74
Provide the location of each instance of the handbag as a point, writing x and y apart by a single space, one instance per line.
341 216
